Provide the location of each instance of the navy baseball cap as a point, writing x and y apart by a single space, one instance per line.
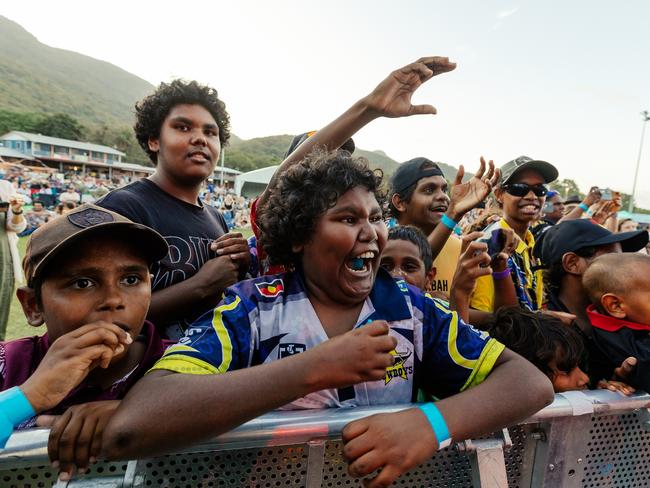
411 171
573 235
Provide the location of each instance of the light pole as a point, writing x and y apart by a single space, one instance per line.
223 157
646 116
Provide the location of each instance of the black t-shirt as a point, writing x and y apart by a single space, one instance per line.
188 229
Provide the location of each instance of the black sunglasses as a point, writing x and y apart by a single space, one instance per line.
522 189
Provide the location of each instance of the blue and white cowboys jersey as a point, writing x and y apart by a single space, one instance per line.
270 318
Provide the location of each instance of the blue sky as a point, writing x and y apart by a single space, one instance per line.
562 81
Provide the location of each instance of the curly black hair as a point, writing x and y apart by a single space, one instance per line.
150 112
304 193
539 338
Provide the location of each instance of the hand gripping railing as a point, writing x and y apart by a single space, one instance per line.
595 438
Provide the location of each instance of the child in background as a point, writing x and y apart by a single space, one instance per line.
88 281
544 341
619 289
407 256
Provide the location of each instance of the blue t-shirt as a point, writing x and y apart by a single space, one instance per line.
270 318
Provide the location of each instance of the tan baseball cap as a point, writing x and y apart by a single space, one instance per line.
49 240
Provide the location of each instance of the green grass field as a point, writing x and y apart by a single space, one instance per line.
18 327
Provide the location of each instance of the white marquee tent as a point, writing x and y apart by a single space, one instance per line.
254 182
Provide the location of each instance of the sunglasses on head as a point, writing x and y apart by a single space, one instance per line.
522 189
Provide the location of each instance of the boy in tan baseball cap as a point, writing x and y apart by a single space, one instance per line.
88 281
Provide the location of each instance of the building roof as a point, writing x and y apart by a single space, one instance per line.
12 153
257 176
55 141
226 170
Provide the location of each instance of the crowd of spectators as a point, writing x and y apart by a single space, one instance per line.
324 306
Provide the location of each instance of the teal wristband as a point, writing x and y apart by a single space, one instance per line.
438 424
583 207
448 222
14 409
15 405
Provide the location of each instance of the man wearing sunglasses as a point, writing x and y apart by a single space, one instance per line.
521 194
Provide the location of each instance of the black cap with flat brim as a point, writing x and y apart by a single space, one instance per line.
573 235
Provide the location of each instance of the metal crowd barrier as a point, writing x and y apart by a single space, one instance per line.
590 439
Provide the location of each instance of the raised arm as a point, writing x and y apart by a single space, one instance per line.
391 98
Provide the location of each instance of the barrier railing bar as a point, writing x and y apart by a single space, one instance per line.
299 427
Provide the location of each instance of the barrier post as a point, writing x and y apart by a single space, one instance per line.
487 461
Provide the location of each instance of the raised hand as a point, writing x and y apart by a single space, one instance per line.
592 197
392 97
466 196
603 210
16 202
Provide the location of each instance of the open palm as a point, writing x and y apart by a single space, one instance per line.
392 97
466 196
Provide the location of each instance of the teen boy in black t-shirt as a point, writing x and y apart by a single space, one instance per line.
182 127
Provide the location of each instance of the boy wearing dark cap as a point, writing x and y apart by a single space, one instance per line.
620 310
566 251
88 281
521 193
418 196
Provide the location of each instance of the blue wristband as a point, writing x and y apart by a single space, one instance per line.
438 424
15 405
14 409
448 222
583 207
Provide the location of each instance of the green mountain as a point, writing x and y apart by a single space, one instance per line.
35 77
38 81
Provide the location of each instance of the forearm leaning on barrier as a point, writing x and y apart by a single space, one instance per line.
499 400
166 411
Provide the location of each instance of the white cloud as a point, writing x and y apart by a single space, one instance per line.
507 13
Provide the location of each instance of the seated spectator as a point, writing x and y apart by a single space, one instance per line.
337 331
521 193
544 341
566 251
407 256
88 281
619 289
38 216
65 208
69 195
